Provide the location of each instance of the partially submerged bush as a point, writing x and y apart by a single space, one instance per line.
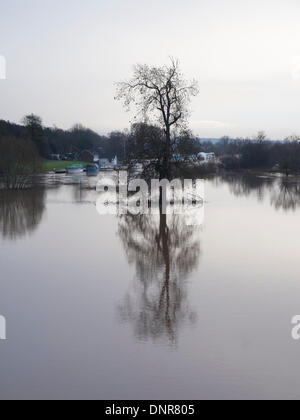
19 163
194 170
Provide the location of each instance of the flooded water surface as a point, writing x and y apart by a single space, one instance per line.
147 307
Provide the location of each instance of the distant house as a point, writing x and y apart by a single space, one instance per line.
103 163
96 157
207 157
55 157
88 156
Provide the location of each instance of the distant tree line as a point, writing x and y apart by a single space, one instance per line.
57 141
143 141
19 162
257 153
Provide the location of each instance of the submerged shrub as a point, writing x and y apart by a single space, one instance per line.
19 163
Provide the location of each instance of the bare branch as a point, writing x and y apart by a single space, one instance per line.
161 94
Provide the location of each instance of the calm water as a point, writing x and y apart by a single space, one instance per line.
146 307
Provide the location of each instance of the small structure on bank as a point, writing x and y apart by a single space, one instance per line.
207 157
88 156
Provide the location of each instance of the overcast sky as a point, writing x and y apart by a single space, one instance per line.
63 57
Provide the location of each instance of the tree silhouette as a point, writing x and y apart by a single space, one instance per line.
163 95
35 133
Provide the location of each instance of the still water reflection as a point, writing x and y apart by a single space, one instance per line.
21 212
164 251
144 307
283 193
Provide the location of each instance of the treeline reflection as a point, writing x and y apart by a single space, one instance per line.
282 193
165 251
21 211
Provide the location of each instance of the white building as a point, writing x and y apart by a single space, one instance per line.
207 157
104 163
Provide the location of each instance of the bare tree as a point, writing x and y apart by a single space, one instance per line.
163 95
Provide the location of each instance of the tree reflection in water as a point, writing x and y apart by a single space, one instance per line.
243 185
165 251
286 195
20 211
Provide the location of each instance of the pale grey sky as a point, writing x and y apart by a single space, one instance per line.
63 57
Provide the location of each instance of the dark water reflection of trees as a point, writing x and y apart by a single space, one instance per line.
286 195
21 211
282 193
164 251
244 185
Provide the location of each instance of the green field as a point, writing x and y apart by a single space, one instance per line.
53 165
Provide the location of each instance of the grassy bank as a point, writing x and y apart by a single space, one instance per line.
54 165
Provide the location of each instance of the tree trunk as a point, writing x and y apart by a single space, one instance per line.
165 172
